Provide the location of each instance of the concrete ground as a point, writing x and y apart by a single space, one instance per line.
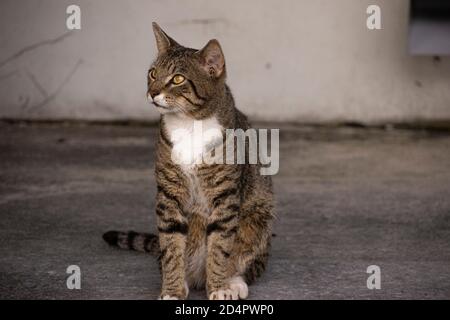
347 198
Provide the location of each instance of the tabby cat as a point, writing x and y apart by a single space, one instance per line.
214 220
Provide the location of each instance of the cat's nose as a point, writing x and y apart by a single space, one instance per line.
153 93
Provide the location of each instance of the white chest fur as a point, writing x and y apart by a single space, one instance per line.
190 138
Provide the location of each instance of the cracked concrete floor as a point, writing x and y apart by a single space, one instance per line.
347 198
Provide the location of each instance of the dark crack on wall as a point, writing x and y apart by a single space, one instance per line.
32 47
8 75
52 96
37 85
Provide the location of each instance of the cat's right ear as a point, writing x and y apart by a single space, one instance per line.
163 41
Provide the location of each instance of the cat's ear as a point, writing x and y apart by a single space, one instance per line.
163 41
212 58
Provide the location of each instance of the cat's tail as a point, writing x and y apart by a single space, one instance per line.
142 242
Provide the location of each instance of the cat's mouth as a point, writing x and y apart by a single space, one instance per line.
159 106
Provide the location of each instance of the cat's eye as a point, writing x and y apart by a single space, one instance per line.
152 74
178 79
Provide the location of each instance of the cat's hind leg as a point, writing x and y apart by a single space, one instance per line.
247 261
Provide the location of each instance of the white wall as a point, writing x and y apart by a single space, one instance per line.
309 60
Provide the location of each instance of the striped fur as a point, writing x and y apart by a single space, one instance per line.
214 221
131 240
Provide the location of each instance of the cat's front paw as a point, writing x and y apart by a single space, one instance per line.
237 289
223 294
238 285
168 297
176 296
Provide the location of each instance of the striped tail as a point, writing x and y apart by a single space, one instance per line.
142 242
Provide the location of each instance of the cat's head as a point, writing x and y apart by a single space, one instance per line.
185 80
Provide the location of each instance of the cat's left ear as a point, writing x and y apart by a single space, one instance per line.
212 59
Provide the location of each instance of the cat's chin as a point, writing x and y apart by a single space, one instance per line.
164 110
